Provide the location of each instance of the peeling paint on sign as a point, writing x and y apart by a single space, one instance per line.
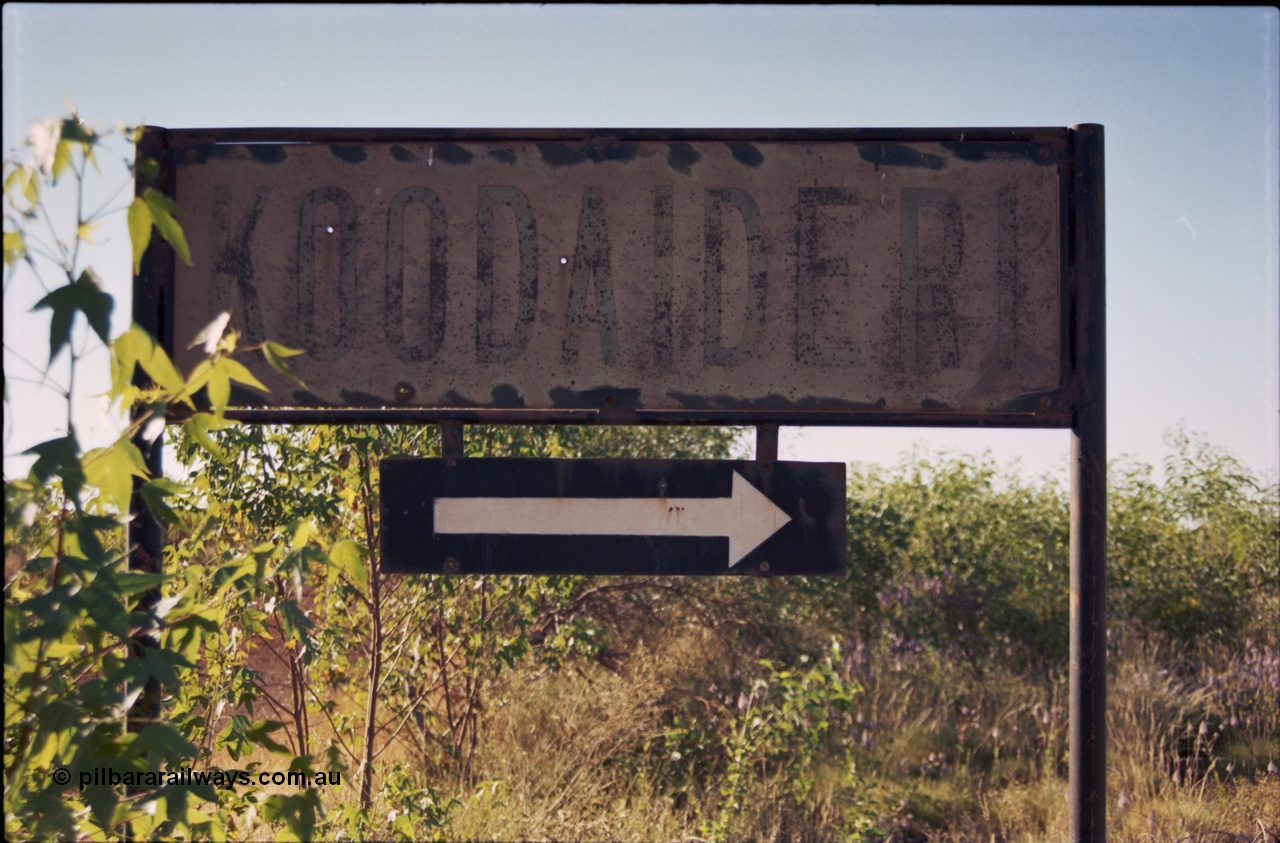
803 276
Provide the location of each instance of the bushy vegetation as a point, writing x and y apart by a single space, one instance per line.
923 696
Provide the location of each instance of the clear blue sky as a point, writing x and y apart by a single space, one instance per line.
1190 99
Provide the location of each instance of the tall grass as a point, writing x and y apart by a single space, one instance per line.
940 752
921 698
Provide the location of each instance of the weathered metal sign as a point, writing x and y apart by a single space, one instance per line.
547 516
805 277
880 277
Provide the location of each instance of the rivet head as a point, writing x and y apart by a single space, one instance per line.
404 392
451 565
764 567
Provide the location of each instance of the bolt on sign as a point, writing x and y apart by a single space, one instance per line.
841 277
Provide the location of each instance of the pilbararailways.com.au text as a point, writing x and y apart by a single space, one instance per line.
188 777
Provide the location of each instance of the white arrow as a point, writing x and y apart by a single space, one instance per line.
747 518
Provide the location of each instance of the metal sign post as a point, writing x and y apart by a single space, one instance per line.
1088 700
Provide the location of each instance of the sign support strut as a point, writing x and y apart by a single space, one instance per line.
766 442
1088 672
451 442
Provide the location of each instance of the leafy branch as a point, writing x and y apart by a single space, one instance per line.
73 618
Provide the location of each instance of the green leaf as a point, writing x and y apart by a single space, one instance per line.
15 249
199 380
55 812
112 470
85 296
101 799
154 494
73 129
294 621
187 634
304 530
25 177
219 387
403 825
55 610
237 574
275 354
61 159
163 215
297 811
279 350
148 169
136 582
176 804
348 557
16 179
105 609
59 458
159 202
162 745
240 735
62 302
198 427
84 537
161 664
237 372
139 230
137 347
95 304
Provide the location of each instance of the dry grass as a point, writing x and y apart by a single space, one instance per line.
953 753
562 755
553 742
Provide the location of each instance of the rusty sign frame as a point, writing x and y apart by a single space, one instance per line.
1051 407
1082 258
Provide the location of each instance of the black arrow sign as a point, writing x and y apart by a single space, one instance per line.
543 516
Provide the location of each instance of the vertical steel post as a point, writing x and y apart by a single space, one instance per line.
151 289
145 536
451 441
145 533
767 442
146 554
1087 255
